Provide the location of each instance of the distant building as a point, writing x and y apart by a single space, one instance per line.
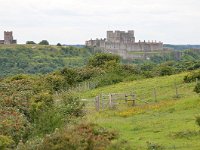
124 41
8 38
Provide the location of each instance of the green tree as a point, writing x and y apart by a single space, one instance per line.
100 59
58 44
197 88
30 42
44 42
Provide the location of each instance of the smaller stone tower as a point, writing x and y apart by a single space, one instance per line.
8 38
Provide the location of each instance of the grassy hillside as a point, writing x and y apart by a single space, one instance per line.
165 87
33 59
168 123
42 111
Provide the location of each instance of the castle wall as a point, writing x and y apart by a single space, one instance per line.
141 46
1 41
122 43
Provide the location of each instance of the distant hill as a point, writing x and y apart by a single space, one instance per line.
33 59
181 47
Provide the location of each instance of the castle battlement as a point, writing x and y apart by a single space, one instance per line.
124 41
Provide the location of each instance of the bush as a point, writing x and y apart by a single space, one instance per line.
56 82
48 117
58 44
71 106
47 121
6 142
154 146
30 42
197 88
13 124
100 59
87 73
109 79
70 75
192 77
166 70
44 42
79 137
198 120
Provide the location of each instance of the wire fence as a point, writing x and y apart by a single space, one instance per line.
140 96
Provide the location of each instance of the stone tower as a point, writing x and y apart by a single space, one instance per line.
8 37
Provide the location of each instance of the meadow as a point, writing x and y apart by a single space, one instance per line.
168 123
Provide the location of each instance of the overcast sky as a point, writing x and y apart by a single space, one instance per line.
74 21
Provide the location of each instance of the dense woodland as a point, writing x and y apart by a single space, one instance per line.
37 110
39 59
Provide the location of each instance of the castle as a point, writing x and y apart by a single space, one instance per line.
121 41
8 38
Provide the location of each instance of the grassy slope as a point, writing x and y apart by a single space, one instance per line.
169 123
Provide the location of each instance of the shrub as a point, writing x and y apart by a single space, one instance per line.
70 75
6 142
71 106
198 120
44 42
100 59
58 44
166 70
192 76
197 88
109 79
48 117
82 136
87 73
56 82
13 124
40 103
154 146
30 42
47 121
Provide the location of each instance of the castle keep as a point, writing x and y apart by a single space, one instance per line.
8 38
121 41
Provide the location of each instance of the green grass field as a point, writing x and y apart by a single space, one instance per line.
168 124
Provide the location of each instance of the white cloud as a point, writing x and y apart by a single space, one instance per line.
68 21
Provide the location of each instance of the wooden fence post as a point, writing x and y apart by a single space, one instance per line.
155 94
97 100
102 100
176 88
125 96
110 101
197 80
133 99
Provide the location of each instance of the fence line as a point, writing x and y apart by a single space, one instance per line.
142 95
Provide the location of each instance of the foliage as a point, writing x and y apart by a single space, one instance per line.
44 42
154 146
28 106
81 136
198 120
197 88
192 76
39 59
58 44
6 142
13 124
166 70
30 42
100 59
109 79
